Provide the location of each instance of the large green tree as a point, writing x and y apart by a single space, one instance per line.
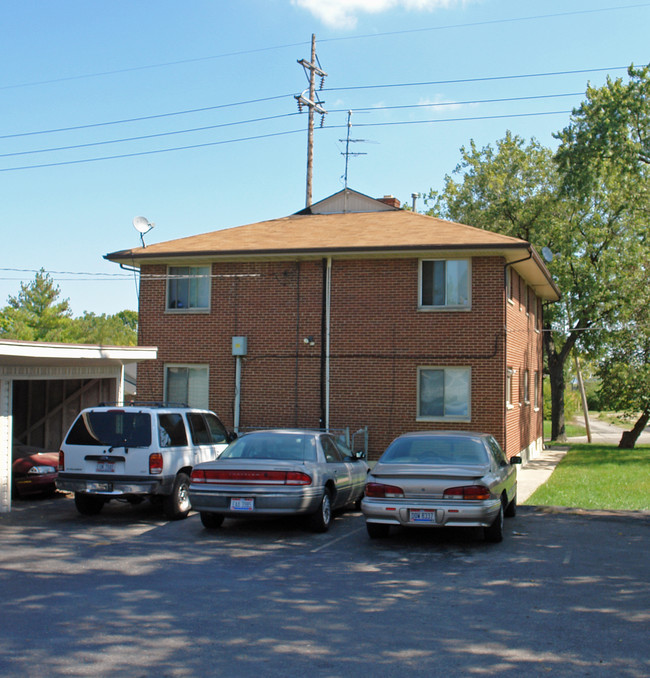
624 372
515 188
37 313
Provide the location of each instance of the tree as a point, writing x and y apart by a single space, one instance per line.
115 330
36 314
624 372
516 189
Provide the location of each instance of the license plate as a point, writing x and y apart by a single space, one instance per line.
241 504
99 487
105 467
419 516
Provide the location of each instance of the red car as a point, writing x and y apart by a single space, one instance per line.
35 474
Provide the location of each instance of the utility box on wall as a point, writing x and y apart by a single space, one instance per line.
239 345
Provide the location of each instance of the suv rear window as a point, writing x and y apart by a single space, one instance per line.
116 428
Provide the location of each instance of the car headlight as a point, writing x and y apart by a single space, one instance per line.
41 469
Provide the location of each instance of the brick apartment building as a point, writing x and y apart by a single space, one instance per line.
350 313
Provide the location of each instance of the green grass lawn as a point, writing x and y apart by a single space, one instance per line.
599 477
572 430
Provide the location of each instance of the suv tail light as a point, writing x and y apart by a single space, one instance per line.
381 491
475 492
155 463
252 477
61 460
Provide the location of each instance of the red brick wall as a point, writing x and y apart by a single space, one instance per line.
378 340
523 352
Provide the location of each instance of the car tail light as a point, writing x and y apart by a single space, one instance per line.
379 490
250 477
155 463
475 492
61 460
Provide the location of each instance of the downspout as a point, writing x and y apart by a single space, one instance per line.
325 346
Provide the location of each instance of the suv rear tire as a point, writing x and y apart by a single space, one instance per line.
177 505
88 504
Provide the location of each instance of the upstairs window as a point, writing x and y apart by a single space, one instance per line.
188 288
444 283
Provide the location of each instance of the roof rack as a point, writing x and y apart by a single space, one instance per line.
142 403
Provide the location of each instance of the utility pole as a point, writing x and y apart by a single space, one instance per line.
312 69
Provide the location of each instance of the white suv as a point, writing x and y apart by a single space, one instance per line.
135 451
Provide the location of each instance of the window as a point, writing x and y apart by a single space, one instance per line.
332 454
509 374
536 391
187 384
188 287
444 283
526 387
171 430
509 284
444 393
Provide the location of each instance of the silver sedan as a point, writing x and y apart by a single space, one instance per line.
441 479
276 473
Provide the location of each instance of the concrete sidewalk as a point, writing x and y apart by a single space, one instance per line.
537 471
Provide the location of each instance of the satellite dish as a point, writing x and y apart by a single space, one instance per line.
547 254
142 225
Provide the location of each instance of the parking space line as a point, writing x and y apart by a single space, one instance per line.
343 536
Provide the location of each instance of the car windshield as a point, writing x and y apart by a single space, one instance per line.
116 428
435 450
290 446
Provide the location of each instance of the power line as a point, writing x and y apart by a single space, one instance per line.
467 80
178 62
147 136
276 134
146 117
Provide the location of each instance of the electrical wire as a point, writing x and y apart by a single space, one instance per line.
488 22
284 115
277 134
291 95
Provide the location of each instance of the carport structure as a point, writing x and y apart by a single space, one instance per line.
44 385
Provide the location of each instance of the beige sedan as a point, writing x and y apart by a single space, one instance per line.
441 479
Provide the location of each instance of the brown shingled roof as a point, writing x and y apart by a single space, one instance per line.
367 231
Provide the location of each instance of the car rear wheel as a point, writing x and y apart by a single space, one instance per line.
177 505
88 504
494 532
322 519
377 530
211 521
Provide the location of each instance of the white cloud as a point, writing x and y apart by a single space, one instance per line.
343 13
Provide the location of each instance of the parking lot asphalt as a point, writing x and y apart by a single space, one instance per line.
128 593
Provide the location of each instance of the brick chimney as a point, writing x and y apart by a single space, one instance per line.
390 200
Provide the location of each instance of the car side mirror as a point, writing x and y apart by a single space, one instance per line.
515 460
359 454
230 436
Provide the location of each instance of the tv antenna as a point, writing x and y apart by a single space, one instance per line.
347 153
142 225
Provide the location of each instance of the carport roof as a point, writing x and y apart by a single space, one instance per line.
41 354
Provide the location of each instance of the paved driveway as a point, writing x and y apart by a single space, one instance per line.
128 594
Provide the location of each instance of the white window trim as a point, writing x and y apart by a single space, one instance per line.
466 418
536 393
526 387
438 309
198 310
166 366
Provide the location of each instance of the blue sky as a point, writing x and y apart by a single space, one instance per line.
421 76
